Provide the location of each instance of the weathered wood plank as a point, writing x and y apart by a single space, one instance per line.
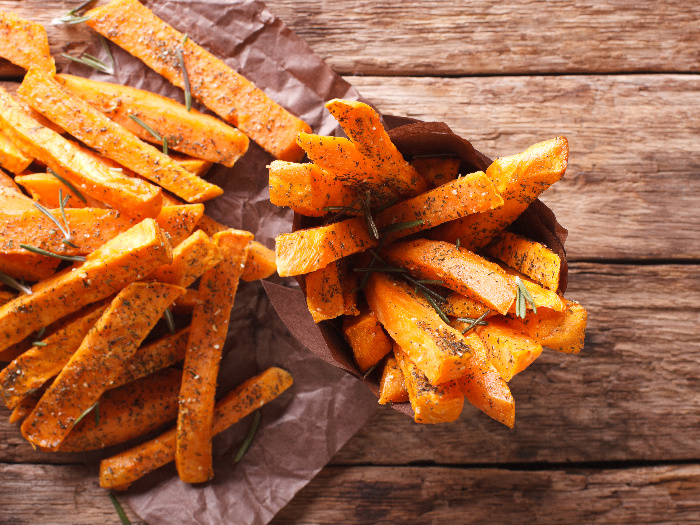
482 37
655 495
632 189
67 495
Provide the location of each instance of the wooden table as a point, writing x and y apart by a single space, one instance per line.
611 435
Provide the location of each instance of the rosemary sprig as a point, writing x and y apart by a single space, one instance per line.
69 185
185 39
91 61
249 438
169 319
342 211
72 17
64 231
458 243
87 411
120 510
522 297
401 226
39 343
185 79
105 45
474 322
371 225
152 131
37 340
369 371
436 307
15 284
39 251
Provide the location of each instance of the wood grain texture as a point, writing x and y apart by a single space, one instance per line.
632 187
430 495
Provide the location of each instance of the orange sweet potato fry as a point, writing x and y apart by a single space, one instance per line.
191 258
133 197
130 25
11 158
127 257
6 296
129 411
519 179
458 269
112 341
467 195
25 43
120 471
431 404
509 351
437 170
367 339
307 189
43 187
25 406
190 132
304 251
184 305
29 266
197 166
324 293
531 258
210 318
460 306
392 387
439 350
361 123
111 140
38 364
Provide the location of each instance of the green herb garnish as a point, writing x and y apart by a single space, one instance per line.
15 284
522 297
169 319
91 61
120 511
249 438
39 251
72 16
87 411
69 185
474 322
153 132
185 79
369 371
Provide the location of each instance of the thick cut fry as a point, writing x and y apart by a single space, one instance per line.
44 187
439 350
191 258
458 269
184 305
127 257
531 258
191 132
155 356
460 306
519 179
90 228
562 331
392 387
304 251
217 290
109 344
197 166
120 471
324 293
37 365
431 404
11 158
484 388
110 139
509 351
238 101
25 43
361 123
12 200
467 195
127 412
437 170
367 339
307 189
133 197
29 266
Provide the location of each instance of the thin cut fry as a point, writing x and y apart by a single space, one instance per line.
392 387
324 293
29 266
367 339
25 43
44 187
11 158
509 351
191 258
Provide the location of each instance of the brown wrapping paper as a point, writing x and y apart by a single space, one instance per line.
300 431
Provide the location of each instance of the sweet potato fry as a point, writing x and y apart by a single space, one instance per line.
43 187
439 350
519 179
361 123
129 411
324 293
110 139
528 257
392 387
122 260
197 166
25 43
12 200
437 170
307 189
191 132
6 296
37 365
367 339
11 158
29 266
191 258
120 471
509 351
185 304
25 406
431 404
304 251
94 365
542 297
136 29
133 197
460 306
458 269
467 195
217 290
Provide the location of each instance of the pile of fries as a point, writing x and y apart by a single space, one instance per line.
129 220
435 295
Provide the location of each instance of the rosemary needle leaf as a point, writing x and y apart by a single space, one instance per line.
50 216
401 226
523 297
145 126
69 20
14 284
69 185
39 343
436 307
185 79
39 251
87 411
90 61
165 146
82 6
478 321
105 46
369 371
120 511
169 319
249 438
